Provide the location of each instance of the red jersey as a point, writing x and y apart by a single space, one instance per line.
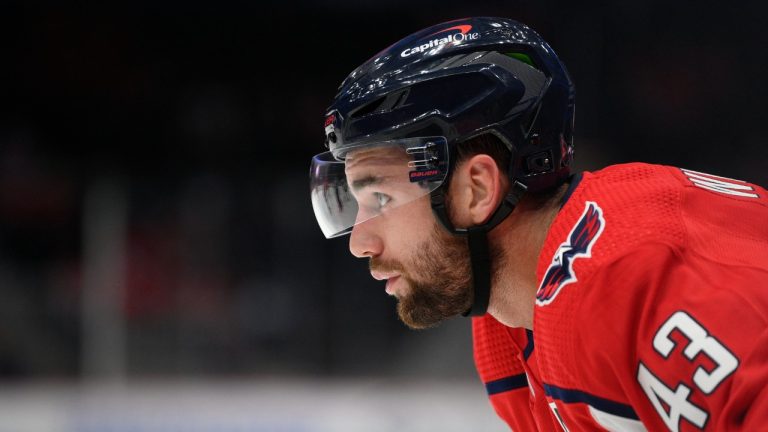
651 313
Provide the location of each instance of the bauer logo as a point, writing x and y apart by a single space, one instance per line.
578 245
438 40
426 175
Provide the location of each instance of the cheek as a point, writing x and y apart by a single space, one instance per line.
410 225
428 250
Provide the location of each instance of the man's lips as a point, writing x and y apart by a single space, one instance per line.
390 276
381 275
390 286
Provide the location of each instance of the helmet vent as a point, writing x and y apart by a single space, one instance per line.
525 58
384 104
393 101
367 108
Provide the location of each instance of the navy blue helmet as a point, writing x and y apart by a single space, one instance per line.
461 79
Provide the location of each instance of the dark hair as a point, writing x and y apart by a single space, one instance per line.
485 144
492 146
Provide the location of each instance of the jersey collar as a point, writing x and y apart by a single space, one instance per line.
574 181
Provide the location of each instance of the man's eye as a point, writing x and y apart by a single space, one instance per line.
382 199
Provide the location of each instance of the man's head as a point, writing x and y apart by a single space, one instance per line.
426 268
418 134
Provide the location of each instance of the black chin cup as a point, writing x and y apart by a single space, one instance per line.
477 241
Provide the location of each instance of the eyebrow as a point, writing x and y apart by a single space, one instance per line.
366 181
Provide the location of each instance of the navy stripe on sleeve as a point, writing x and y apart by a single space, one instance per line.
605 405
506 384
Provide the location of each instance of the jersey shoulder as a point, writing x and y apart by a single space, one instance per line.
496 348
606 214
507 367
612 212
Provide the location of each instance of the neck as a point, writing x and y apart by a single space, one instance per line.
520 239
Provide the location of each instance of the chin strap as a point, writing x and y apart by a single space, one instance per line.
481 270
477 240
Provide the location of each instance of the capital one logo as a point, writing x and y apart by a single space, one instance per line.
459 37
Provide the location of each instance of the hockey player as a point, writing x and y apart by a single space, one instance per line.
632 298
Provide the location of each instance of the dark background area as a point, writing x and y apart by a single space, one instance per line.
199 119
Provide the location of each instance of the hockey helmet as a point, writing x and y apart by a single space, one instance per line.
432 90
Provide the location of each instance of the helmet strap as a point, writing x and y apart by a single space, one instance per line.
477 241
481 270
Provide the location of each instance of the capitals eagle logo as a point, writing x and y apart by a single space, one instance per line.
578 245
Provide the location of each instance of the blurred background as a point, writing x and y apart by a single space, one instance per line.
160 265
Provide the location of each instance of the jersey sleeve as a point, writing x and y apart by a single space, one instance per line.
498 363
680 337
748 406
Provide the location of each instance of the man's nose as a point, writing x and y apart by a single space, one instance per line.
364 241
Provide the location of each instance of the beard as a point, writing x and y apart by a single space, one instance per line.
439 279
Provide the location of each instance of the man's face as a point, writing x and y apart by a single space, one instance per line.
427 269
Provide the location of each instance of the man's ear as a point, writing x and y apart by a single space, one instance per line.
477 190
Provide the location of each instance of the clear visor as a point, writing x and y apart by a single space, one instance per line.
359 182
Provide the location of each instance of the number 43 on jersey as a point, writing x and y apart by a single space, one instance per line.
673 404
